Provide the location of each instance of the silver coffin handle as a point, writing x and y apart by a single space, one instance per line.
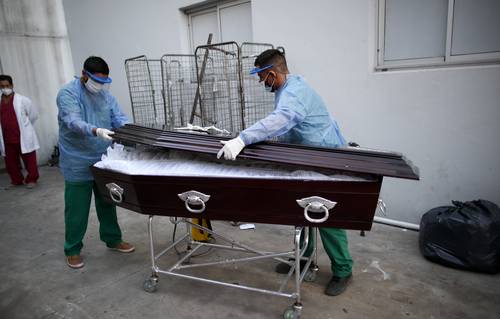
194 198
115 192
316 204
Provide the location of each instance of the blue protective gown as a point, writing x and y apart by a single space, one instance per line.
79 112
299 117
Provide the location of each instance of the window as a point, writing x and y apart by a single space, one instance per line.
227 21
437 33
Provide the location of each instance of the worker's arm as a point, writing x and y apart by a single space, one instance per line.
70 113
288 114
275 124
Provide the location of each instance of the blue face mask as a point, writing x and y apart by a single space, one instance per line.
269 88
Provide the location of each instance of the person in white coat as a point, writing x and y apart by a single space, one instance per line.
18 138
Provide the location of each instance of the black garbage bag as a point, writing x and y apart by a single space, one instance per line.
466 235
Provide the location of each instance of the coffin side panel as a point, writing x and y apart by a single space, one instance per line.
247 200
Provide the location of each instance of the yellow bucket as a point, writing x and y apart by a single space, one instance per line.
198 234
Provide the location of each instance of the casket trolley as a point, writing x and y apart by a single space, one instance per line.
304 203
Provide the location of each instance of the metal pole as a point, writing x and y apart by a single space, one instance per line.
200 78
298 231
151 246
396 223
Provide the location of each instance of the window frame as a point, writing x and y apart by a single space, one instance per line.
447 60
216 7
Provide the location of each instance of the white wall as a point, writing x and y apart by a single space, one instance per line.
119 29
34 50
444 120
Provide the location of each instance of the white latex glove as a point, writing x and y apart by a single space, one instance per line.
105 134
231 148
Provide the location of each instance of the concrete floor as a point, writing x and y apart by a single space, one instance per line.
391 279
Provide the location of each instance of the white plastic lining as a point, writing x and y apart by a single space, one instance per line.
161 163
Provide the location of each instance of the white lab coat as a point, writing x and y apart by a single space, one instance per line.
26 114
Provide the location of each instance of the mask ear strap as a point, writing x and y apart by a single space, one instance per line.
269 73
274 80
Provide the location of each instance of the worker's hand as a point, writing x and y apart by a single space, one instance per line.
231 148
105 134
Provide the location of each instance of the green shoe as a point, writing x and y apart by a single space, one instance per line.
337 285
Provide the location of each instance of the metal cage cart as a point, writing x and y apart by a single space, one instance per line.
231 98
257 102
180 82
146 90
211 87
219 78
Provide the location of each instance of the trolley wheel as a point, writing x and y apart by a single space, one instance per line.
310 275
291 313
150 285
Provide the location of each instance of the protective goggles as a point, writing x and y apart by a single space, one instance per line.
258 70
98 79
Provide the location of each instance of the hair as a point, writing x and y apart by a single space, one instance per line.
5 77
274 57
95 64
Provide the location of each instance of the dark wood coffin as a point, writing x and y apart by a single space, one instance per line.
260 200
246 199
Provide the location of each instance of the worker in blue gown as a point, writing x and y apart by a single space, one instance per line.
299 117
87 114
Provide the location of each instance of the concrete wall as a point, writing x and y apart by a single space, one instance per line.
34 50
445 120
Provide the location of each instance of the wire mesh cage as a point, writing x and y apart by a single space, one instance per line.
144 77
180 82
219 80
211 87
257 102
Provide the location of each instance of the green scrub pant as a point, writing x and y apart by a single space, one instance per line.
77 197
335 244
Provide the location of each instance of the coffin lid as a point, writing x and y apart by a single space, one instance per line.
350 159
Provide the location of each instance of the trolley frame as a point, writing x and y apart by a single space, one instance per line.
308 273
